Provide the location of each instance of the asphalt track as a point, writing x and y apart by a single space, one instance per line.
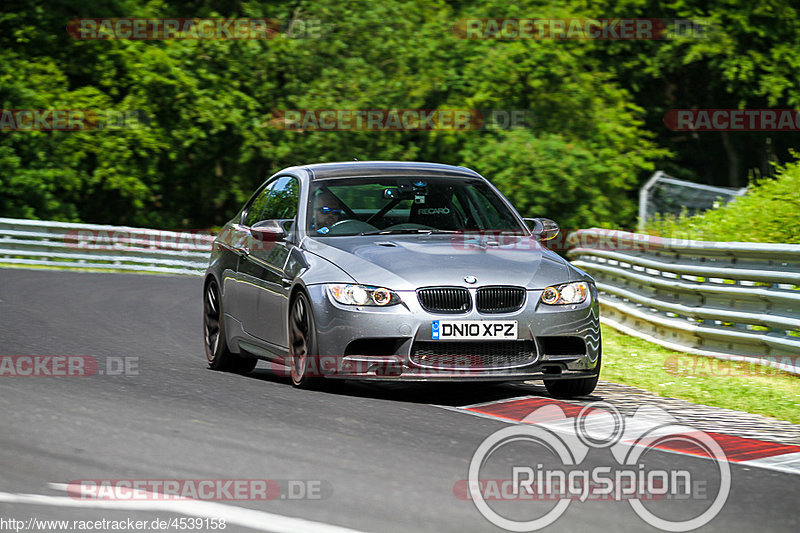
388 457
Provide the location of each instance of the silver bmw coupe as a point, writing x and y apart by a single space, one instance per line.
397 271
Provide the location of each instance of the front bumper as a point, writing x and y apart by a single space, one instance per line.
384 344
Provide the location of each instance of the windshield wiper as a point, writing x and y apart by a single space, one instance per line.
408 231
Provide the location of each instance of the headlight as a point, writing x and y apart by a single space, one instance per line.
568 293
363 295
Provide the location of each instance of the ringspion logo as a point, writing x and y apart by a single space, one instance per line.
542 461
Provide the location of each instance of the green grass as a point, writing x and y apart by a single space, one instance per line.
731 385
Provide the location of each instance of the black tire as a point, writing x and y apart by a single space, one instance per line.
217 353
303 344
571 388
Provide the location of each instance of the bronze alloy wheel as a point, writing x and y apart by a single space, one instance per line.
217 352
302 343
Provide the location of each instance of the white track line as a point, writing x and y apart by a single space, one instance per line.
250 518
788 462
495 402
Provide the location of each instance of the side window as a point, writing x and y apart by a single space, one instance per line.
283 199
258 204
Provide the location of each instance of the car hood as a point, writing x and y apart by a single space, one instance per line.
407 262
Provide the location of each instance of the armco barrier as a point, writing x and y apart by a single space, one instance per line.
729 300
93 246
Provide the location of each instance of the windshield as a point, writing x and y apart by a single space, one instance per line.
387 205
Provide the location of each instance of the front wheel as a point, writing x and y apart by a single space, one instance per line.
217 353
570 388
302 343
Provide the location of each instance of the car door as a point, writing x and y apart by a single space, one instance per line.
245 295
262 283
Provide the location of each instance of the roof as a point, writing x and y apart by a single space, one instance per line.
378 168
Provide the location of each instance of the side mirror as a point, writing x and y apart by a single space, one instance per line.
268 231
542 229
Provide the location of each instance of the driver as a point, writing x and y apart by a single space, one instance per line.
327 211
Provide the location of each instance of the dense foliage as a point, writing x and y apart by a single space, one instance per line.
596 107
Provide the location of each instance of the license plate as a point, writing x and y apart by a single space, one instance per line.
474 329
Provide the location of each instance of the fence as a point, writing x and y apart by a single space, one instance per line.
93 246
727 300
663 194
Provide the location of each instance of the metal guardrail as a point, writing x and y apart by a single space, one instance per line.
728 300
94 246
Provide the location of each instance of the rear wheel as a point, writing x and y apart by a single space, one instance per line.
569 388
302 344
217 352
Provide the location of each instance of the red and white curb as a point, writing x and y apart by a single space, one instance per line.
739 450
